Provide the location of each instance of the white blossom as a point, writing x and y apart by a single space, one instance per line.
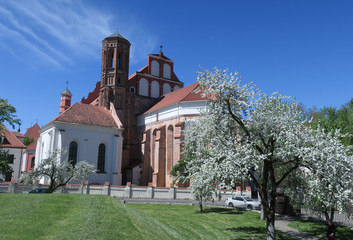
246 134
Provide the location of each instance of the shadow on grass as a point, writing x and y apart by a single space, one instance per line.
220 211
248 230
319 229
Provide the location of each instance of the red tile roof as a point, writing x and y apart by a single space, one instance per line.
87 114
33 131
11 141
18 134
184 94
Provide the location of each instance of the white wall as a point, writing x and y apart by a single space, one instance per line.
182 108
88 138
17 152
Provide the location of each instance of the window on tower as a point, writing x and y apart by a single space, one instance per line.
118 62
111 97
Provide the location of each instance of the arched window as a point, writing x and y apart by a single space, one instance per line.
170 148
155 68
143 87
166 88
101 158
32 162
73 153
155 89
112 60
176 87
118 61
111 97
166 71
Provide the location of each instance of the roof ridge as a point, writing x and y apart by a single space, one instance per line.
182 94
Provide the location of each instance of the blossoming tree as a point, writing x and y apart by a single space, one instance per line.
327 185
58 170
246 134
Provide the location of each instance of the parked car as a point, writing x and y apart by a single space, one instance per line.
234 203
243 202
39 190
1 191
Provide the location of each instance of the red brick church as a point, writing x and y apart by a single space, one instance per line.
146 110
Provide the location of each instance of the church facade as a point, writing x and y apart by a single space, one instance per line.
130 127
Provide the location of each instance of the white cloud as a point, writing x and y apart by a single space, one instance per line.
13 35
58 31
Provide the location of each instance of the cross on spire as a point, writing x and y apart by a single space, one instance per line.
161 48
67 83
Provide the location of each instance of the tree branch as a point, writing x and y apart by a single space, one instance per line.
284 176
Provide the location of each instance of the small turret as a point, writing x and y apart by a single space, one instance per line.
65 101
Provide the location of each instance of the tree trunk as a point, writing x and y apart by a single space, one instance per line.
262 216
329 216
200 204
270 226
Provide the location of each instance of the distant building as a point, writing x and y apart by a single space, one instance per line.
29 155
129 127
10 141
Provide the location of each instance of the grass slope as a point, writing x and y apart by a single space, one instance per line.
54 216
319 229
59 216
213 223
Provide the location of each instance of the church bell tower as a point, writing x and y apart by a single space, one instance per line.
115 73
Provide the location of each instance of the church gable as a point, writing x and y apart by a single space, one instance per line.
33 131
156 78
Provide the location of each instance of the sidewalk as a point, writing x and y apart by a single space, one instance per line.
282 225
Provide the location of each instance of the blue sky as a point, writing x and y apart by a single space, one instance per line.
302 49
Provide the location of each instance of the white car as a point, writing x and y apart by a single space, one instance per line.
243 202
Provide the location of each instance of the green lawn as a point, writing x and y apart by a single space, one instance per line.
318 229
59 216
